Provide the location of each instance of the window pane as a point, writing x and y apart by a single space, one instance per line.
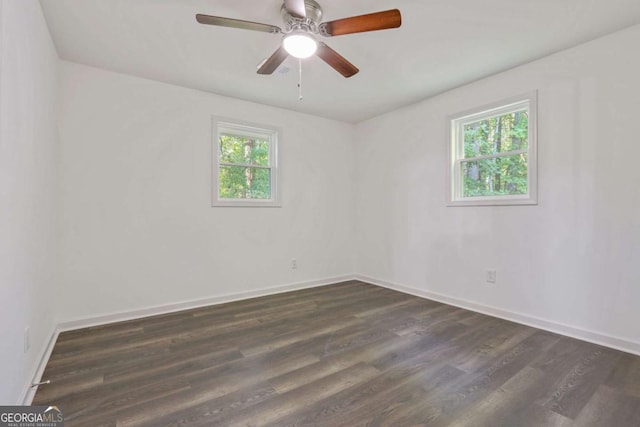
499 134
495 177
240 149
237 182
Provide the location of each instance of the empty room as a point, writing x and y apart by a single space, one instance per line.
319 213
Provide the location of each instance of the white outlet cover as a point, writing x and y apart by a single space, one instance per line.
491 276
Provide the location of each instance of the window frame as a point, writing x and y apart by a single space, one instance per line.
241 128
455 146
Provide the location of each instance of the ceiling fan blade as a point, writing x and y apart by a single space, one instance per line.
237 23
273 62
359 24
296 8
335 60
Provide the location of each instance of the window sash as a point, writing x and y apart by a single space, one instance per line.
244 165
462 176
494 112
493 156
243 169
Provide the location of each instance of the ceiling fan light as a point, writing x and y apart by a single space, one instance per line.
300 45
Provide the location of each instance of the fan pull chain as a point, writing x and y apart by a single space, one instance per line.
299 79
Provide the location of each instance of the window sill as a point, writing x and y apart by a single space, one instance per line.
246 204
491 201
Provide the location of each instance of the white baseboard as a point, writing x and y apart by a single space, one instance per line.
29 392
618 343
188 305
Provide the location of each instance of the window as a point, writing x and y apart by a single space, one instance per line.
245 160
493 154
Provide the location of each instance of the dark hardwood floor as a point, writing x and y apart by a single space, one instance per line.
349 354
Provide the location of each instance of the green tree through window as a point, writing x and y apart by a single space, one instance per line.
241 176
505 175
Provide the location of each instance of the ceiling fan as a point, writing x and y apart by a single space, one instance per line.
302 28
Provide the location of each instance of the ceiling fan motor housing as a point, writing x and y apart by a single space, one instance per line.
310 23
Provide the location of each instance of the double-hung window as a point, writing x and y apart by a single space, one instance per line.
245 158
493 154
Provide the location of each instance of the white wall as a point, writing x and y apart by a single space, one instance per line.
28 146
574 258
137 226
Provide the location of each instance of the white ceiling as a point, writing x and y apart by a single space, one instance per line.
441 44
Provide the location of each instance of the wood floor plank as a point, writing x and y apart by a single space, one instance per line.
384 391
626 375
574 389
270 412
609 407
505 405
214 412
85 410
346 354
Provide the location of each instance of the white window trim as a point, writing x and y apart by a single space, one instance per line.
238 127
496 108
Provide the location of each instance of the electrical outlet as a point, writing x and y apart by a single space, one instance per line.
27 341
491 276
294 264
